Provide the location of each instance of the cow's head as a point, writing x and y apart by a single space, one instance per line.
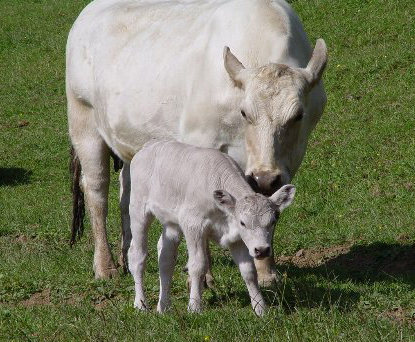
253 217
277 120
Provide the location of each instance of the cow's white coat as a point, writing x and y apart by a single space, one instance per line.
138 70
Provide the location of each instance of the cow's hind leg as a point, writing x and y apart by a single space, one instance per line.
93 154
167 255
208 282
125 191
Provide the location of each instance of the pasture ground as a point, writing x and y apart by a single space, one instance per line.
346 247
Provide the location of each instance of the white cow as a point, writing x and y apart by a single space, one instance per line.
202 194
138 70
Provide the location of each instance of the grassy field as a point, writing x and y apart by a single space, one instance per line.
346 247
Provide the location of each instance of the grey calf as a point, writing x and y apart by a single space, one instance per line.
202 194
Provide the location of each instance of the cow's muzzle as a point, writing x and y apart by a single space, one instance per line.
265 182
262 252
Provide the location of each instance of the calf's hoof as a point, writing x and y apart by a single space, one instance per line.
195 306
141 305
260 309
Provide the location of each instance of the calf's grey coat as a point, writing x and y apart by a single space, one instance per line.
201 194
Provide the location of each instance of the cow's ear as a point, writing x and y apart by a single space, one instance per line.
283 197
234 67
317 64
224 200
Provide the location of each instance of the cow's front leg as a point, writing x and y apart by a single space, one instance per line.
197 266
125 191
267 271
246 266
167 255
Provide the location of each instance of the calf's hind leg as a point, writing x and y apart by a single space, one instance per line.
197 266
137 253
93 154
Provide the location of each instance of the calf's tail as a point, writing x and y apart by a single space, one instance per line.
78 205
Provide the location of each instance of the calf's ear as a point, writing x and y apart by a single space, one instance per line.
224 200
234 67
283 197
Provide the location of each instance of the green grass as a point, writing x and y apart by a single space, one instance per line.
356 187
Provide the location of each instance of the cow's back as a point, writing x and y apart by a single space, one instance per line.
154 69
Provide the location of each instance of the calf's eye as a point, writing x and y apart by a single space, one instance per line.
243 114
242 224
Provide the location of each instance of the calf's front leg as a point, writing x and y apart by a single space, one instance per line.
167 256
246 266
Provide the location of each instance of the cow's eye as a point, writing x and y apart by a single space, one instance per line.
299 116
242 224
243 114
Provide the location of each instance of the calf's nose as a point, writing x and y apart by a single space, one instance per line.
262 252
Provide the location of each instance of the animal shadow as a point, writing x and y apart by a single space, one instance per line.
376 262
358 263
310 278
13 176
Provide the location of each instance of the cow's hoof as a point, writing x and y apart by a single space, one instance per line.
123 263
209 282
106 273
163 307
269 280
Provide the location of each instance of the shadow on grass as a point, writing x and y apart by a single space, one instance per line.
317 278
14 176
293 294
362 263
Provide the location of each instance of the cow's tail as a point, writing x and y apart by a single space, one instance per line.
78 208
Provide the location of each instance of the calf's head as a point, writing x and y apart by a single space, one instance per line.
254 216
276 116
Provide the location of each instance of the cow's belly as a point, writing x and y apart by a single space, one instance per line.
126 125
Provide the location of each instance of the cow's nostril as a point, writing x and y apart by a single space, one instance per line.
267 251
276 182
262 252
252 182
